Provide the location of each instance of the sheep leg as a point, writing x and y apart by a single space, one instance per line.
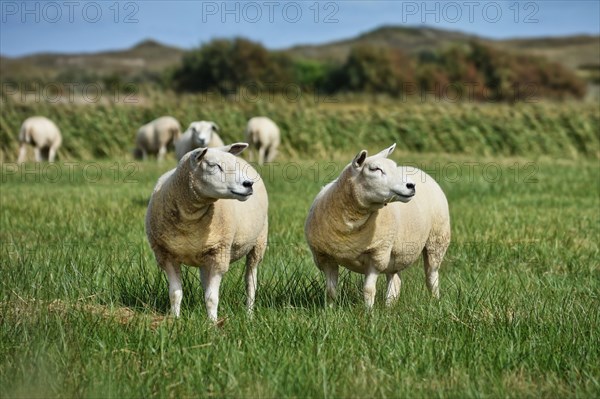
144 154
173 272
261 155
252 260
394 282
370 288
22 153
161 153
331 278
254 257
272 153
51 154
211 280
331 270
251 284
38 154
431 262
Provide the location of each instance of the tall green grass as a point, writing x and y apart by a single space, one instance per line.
82 303
314 127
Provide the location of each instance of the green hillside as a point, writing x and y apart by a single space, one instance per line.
576 52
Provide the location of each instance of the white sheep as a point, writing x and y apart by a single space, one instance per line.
208 212
349 224
198 134
43 135
154 137
263 136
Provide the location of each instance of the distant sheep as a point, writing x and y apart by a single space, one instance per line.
199 134
192 219
154 137
349 224
43 135
263 136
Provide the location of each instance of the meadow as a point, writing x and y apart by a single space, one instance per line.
84 308
315 125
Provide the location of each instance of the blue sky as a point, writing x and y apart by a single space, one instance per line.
90 26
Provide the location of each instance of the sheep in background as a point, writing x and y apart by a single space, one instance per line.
349 224
199 134
192 219
43 135
154 137
263 136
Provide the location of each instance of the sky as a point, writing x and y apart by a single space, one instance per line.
69 26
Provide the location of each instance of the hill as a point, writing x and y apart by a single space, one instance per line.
146 57
574 52
408 39
580 53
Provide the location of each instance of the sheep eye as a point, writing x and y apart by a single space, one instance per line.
214 165
375 169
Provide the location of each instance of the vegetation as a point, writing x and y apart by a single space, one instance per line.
317 125
225 65
156 64
83 306
476 66
373 70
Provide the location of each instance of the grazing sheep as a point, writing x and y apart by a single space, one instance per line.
263 135
154 137
349 224
199 134
208 212
43 135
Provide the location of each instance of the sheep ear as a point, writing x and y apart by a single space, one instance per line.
385 153
215 127
234 149
197 155
359 159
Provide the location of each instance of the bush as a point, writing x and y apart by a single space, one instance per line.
502 75
312 74
481 71
225 65
374 70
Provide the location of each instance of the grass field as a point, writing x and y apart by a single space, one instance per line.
312 127
83 306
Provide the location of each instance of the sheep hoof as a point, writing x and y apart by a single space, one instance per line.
220 322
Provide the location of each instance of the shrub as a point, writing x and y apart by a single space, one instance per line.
225 65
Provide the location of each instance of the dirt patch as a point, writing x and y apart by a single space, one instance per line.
119 314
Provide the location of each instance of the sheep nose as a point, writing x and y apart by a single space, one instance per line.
410 186
247 183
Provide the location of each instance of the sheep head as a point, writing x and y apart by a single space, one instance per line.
202 132
216 173
378 181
